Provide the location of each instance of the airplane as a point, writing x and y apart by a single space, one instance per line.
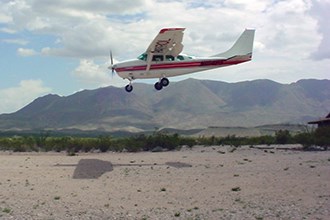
163 58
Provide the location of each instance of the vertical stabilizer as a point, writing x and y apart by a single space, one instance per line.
243 46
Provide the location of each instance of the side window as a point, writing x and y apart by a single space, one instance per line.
180 57
169 58
157 58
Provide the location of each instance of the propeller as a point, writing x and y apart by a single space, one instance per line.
111 62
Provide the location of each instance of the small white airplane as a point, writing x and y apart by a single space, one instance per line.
163 58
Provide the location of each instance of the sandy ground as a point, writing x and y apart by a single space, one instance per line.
203 183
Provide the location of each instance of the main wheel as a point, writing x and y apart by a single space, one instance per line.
129 88
158 86
164 82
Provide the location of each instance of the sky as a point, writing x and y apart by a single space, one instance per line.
62 47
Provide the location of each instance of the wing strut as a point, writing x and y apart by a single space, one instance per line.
149 58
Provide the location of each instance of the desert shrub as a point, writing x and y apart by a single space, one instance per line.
29 143
22 144
40 139
118 144
233 140
305 139
149 142
203 141
135 144
261 140
187 141
57 144
4 142
104 143
89 144
322 137
16 144
208 141
283 137
163 140
19 148
74 145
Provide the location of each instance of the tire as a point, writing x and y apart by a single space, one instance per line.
129 88
158 86
164 82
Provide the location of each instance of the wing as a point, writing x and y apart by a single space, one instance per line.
167 42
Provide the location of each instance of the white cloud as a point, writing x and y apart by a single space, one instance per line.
88 30
14 98
95 75
15 41
4 18
90 73
320 11
7 30
283 33
25 52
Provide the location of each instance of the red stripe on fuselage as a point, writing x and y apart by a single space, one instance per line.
176 65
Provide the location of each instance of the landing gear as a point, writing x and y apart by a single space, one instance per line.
162 83
158 86
129 88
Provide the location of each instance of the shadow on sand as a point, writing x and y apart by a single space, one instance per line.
91 169
94 168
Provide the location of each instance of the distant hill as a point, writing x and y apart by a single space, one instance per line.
187 104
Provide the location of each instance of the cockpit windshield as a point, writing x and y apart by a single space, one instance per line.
143 57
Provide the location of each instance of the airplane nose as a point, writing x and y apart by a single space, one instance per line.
112 67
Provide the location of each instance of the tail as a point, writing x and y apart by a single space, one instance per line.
243 46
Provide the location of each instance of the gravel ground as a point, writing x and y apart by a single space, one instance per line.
198 183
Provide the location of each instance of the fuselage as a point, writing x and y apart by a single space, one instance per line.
169 66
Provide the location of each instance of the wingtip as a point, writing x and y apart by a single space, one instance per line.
171 29
250 29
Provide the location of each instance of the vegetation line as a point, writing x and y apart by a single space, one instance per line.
158 141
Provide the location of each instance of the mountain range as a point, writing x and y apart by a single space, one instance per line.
187 104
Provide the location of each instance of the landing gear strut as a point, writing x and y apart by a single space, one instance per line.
162 83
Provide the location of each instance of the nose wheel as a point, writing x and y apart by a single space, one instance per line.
129 88
162 83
